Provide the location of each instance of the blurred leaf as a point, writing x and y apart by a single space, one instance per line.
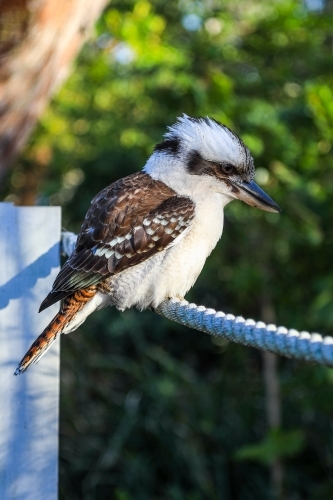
277 444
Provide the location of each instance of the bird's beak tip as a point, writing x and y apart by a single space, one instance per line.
253 195
275 210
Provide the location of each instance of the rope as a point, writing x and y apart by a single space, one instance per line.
280 340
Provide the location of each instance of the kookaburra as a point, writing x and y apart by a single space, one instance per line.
147 236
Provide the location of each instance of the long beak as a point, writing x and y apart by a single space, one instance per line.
250 193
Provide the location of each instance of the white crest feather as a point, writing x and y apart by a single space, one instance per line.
214 141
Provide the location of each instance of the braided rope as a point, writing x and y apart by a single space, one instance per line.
290 343
280 340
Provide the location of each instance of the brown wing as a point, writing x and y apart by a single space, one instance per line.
128 222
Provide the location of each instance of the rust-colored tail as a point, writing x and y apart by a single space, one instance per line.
70 307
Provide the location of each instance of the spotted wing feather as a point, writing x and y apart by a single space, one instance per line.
127 223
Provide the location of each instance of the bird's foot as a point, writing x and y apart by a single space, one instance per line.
175 297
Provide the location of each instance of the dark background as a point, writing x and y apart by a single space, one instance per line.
150 409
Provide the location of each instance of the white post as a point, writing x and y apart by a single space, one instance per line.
29 261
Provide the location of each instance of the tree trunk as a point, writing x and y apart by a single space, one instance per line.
38 41
273 401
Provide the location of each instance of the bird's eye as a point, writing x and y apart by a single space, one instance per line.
227 168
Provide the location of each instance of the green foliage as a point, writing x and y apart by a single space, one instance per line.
151 410
277 444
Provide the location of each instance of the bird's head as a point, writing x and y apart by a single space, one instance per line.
206 148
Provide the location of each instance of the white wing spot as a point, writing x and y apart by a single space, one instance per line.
101 251
109 253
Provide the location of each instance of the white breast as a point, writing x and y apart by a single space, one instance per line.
183 263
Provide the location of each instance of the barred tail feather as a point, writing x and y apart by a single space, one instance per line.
61 323
40 346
